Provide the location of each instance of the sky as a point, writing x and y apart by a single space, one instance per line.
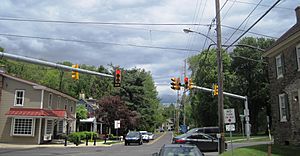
133 33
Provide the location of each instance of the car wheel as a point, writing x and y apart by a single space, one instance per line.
125 143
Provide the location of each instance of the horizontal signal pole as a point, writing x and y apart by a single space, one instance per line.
51 64
246 110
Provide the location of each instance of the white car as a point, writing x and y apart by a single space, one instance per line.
151 136
145 136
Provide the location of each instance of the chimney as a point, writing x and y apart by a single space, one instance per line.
298 14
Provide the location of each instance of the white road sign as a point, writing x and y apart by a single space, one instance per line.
117 124
230 127
229 116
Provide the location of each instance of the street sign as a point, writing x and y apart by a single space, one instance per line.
229 116
230 127
117 124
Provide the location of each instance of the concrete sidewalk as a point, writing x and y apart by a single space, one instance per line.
69 145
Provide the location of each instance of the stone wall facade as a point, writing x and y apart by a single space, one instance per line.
286 132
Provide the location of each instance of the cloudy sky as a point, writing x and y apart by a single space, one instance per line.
131 33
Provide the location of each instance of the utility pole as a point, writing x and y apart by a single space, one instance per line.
184 94
220 79
177 113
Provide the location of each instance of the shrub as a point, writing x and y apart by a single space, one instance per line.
74 137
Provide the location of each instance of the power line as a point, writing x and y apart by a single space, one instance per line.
250 32
97 23
244 21
96 42
262 5
255 23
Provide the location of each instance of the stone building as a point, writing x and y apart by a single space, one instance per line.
284 75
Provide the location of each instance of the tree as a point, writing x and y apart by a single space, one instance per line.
204 73
81 113
252 79
112 108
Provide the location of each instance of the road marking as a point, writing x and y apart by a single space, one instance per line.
157 138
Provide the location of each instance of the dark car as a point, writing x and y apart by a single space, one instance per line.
213 131
179 149
133 137
203 141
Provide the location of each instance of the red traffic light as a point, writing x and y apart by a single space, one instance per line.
186 80
118 72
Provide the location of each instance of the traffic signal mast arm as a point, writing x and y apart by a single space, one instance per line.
51 64
246 111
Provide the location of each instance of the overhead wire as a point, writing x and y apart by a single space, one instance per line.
244 21
254 23
262 5
96 42
97 23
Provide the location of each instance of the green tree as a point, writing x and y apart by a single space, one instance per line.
252 79
81 113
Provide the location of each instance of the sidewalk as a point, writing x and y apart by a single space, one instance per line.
69 145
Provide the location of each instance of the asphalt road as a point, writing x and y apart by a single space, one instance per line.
115 150
147 149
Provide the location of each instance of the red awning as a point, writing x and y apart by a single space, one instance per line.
38 112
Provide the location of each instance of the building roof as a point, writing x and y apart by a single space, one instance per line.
38 86
37 112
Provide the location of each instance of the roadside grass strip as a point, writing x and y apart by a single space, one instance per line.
262 150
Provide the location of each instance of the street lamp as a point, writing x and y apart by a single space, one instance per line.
196 32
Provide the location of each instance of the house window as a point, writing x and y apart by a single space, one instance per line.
23 126
19 98
60 127
71 109
283 110
50 101
298 56
58 102
49 126
279 66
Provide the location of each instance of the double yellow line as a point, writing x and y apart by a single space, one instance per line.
158 138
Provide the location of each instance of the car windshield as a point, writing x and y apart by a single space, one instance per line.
143 133
181 151
133 134
192 130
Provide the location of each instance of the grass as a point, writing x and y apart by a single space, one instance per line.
262 150
252 139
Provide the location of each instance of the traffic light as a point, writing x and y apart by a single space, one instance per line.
117 78
190 84
216 89
75 74
186 82
175 83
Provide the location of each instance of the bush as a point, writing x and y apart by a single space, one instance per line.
74 137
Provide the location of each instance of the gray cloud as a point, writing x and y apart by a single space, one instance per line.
163 64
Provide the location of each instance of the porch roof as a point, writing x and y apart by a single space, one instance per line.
37 112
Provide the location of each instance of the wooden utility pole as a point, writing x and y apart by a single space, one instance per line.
220 80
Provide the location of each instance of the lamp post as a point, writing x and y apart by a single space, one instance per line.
196 32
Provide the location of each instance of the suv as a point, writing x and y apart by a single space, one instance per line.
145 136
213 131
133 137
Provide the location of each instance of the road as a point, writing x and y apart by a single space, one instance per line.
147 149
116 150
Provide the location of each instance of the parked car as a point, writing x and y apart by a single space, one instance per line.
203 141
179 149
133 137
151 136
145 136
213 131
